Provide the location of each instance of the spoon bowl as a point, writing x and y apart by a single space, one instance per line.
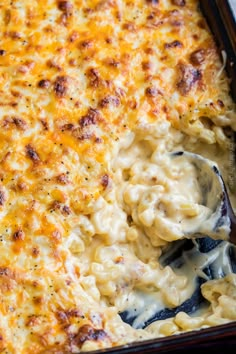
219 222
203 253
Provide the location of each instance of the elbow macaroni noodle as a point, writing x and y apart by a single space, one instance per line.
139 214
94 96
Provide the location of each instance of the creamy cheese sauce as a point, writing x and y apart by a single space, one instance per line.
159 188
94 97
143 306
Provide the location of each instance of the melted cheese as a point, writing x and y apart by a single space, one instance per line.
79 81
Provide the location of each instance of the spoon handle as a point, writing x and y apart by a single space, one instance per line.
232 235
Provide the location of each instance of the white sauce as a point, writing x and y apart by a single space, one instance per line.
167 202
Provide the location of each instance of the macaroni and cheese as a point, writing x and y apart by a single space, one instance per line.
94 94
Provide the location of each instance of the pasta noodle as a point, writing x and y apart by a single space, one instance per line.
94 96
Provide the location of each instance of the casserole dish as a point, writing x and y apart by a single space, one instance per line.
221 18
96 99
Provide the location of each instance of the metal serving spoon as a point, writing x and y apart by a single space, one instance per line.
221 222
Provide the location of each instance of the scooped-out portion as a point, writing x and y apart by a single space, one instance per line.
96 96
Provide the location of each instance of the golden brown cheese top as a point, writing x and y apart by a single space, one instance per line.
74 77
